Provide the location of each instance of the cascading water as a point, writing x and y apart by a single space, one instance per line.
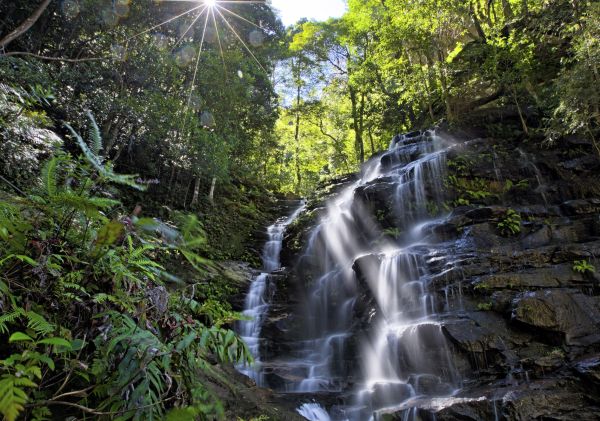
256 304
403 354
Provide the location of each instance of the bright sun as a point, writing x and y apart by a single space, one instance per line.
210 3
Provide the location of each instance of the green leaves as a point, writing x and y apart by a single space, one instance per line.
109 234
510 224
105 170
20 337
12 396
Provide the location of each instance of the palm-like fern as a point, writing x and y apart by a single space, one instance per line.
91 154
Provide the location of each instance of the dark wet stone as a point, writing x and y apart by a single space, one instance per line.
580 207
589 369
568 312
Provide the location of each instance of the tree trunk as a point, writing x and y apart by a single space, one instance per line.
476 22
370 130
25 26
187 193
196 195
211 195
507 9
445 91
525 7
521 116
358 138
361 127
297 139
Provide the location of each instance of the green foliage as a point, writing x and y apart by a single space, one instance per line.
468 190
510 224
484 306
584 267
87 315
578 84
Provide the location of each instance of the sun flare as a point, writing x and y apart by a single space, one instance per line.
210 3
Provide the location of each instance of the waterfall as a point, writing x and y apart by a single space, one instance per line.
399 347
256 305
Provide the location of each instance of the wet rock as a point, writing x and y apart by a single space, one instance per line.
385 394
581 207
546 277
567 312
547 403
446 409
589 369
365 307
470 337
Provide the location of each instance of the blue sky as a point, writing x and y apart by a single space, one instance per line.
292 10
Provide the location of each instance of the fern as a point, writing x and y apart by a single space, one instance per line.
12 396
50 176
10 318
105 171
95 136
40 325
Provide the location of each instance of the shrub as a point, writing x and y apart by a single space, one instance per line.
510 224
90 324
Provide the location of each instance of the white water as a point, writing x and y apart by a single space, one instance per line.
403 352
314 411
256 305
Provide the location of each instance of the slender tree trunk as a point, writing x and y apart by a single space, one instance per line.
521 116
25 26
445 90
476 22
196 195
361 126
358 138
297 139
187 193
370 131
525 7
507 9
211 195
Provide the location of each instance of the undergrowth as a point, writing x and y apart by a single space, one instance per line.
93 324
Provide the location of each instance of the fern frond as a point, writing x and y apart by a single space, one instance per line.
12 398
95 137
105 171
38 323
50 176
91 206
10 318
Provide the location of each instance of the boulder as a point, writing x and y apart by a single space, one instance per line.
568 312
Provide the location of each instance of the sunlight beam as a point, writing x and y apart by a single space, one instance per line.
212 12
191 24
167 21
197 63
238 16
241 40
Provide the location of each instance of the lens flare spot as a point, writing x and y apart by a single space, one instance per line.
210 3
160 41
195 102
109 17
118 52
207 120
70 8
256 38
185 55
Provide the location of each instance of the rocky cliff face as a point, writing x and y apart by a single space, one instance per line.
512 250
